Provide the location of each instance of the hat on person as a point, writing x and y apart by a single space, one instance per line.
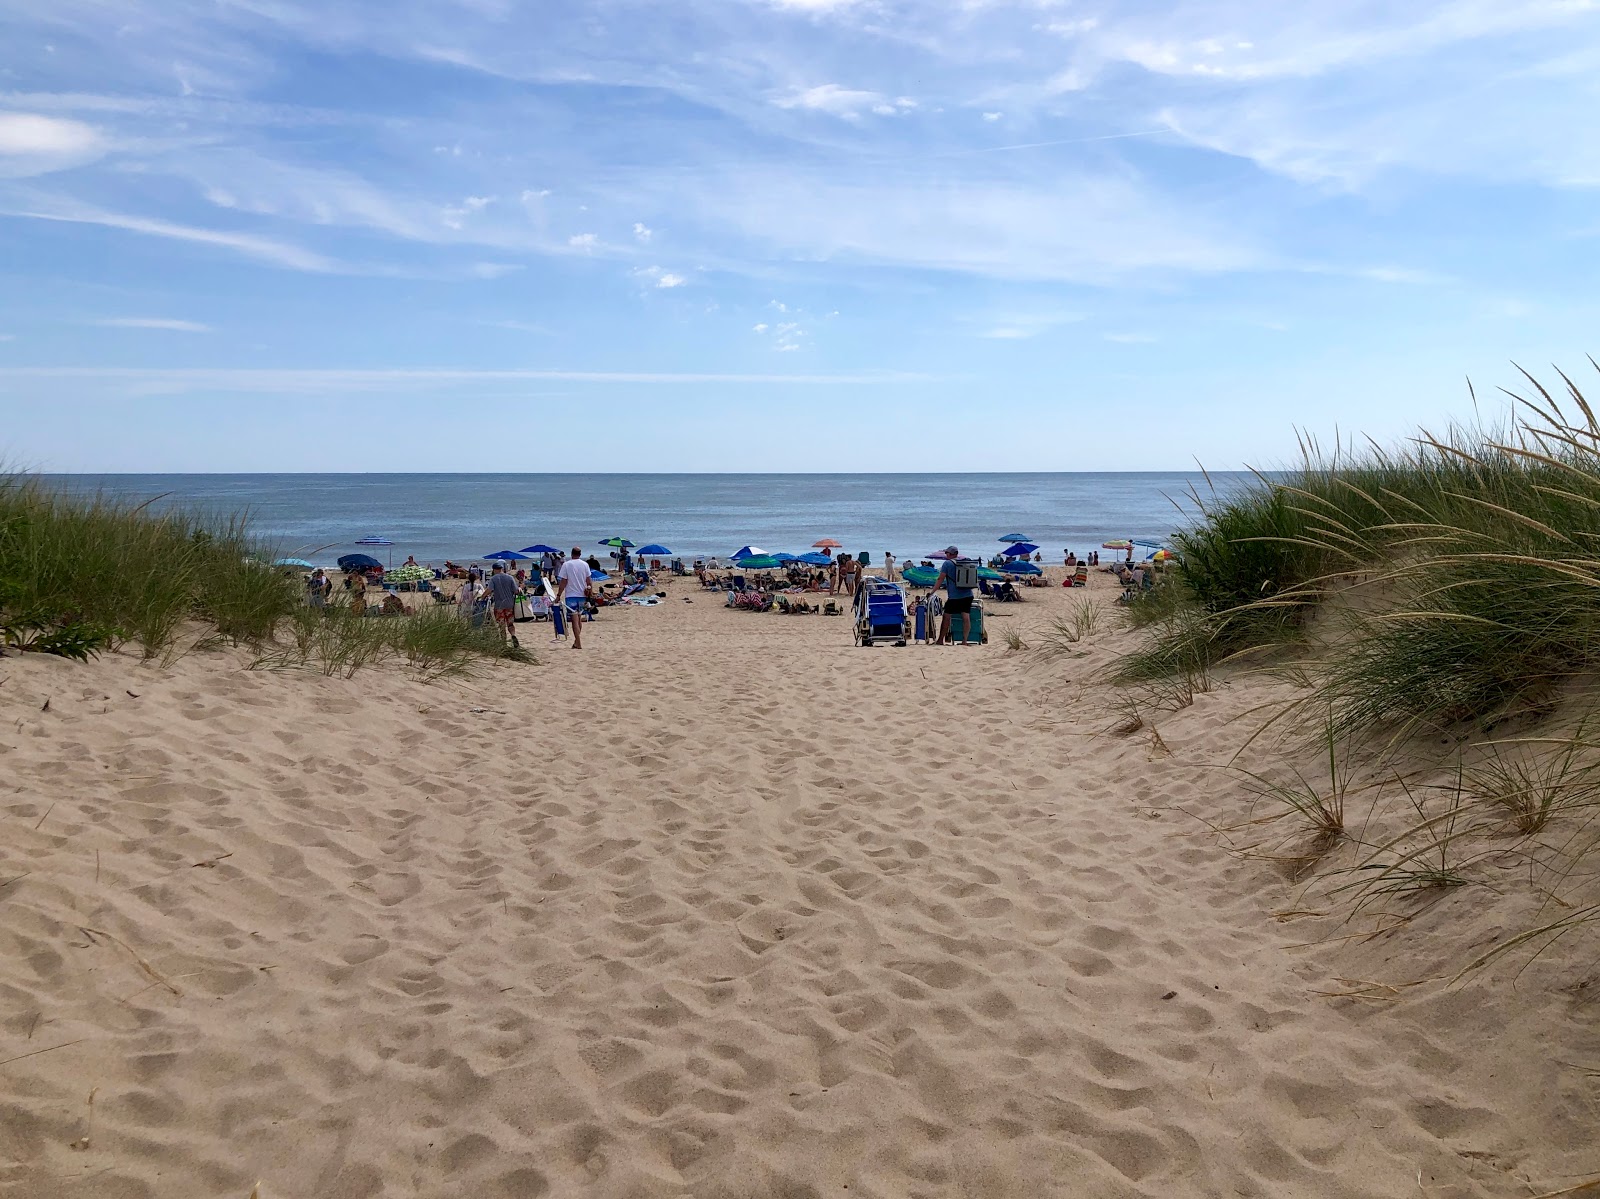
950 551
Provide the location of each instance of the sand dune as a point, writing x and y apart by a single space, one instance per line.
721 907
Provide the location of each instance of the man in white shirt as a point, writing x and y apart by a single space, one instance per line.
572 587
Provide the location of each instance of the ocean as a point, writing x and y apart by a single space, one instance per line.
465 516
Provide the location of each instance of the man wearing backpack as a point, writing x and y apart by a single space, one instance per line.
959 580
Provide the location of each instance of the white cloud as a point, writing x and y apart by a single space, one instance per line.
313 382
263 249
1020 326
1074 226
36 145
583 241
494 270
659 278
846 103
642 231
993 116
761 328
817 6
153 322
8 337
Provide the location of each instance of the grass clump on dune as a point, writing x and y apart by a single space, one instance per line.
79 574
435 642
1430 597
118 572
1468 567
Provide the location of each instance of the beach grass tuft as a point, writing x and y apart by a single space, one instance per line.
79 574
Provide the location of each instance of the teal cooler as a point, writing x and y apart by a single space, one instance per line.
975 634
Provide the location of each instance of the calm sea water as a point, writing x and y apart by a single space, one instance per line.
461 517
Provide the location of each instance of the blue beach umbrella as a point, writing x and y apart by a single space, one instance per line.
815 559
749 551
1016 537
374 539
531 550
653 550
300 562
505 556
359 562
1020 549
781 557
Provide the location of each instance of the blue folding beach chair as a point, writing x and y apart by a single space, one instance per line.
880 613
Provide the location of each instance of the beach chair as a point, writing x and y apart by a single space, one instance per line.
880 613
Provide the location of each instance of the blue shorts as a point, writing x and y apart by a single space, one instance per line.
575 604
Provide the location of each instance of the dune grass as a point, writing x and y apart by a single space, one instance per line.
1426 597
79 574
122 573
1475 554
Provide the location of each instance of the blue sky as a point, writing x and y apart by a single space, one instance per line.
780 234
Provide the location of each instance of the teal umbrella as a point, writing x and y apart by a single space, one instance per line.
757 562
621 543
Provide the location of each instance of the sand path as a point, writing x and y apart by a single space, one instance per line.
720 907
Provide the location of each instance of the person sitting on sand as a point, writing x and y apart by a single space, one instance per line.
358 594
410 560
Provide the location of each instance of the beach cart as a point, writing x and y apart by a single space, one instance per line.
880 613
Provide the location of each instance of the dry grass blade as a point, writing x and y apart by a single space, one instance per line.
150 970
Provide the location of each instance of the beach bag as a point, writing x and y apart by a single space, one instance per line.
966 578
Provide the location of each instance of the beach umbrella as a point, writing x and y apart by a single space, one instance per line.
827 543
531 550
782 557
505 556
1020 549
757 562
1016 537
1116 545
749 551
300 562
359 562
815 559
619 543
654 550
597 575
1161 556
374 539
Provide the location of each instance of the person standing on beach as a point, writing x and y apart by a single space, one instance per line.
503 599
957 600
888 565
573 585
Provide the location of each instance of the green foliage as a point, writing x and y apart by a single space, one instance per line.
116 572
1474 554
436 642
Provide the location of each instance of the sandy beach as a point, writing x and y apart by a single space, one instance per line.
724 907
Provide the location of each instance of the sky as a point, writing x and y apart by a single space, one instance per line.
245 235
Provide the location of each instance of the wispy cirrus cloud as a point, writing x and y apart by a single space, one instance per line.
264 249
162 323
151 380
